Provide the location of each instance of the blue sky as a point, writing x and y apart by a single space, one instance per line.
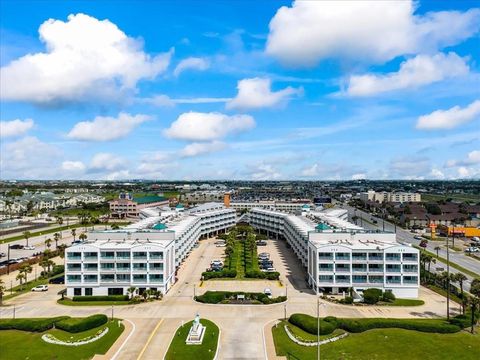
239 90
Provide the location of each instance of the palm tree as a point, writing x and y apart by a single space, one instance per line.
423 244
131 291
50 265
82 237
460 278
48 243
56 237
26 235
74 233
59 220
114 227
475 299
61 249
3 289
437 249
44 264
26 269
20 277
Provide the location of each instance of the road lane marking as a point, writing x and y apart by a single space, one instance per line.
149 339
126 340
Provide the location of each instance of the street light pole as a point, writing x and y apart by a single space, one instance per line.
8 260
448 272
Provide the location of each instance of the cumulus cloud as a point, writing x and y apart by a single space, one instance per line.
309 31
312 170
449 119
195 149
472 158
191 63
105 128
264 172
196 126
29 158
107 162
15 127
359 176
85 59
415 72
409 167
166 101
73 166
256 93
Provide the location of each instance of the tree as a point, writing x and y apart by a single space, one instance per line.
61 250
74 233
26 235
131 291
423 244
56 237
475 300
20 277
115 227
44 264
3 289
82 237
26 269
437 249
48 243
460 278
59 220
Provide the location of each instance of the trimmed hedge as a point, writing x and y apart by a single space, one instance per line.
219 274
101 298
32 325
330 323
75 325
255 274
216 297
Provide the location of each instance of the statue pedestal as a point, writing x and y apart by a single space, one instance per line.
196 333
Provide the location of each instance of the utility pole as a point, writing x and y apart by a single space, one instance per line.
448 272
8 260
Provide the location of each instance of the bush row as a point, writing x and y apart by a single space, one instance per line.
255 274
215 297
75 325
101 298
219 274
330 323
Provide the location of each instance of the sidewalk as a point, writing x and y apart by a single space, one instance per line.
269 344
118 344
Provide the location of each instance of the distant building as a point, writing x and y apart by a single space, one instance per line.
381 197
127 206
285 206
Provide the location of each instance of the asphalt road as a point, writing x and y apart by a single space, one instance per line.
406 237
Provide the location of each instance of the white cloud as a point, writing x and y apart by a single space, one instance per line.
195 126
309 31
195 149
15 127
105 128
107 162
73 166
409 167
359 176
415 72
29 158
194 63
449 119
166 101
437 174
264 172
256 93
85 59
311 170
473 158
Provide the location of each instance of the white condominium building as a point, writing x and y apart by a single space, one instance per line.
268 204
339 255
145 254
381 197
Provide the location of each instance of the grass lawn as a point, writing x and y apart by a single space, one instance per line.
307 336
19 345
179 350
404 302
79 211
475 198
69 302
27 287
385 344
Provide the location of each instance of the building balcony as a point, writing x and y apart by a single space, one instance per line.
74 258
375 270
359 258
139 258
90 280
342 270
123 270
362 270
90 270
90 258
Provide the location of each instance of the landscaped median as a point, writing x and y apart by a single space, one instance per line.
425 338
207 350
238 298
58 338
147 295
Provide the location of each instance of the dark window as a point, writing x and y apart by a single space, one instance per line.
141 291
77 291
88 291
115 291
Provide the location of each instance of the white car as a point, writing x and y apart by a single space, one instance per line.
221 245
40 288
216 263
268 292
31 247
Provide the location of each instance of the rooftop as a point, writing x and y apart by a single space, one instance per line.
149 199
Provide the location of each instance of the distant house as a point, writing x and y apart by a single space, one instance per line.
127 206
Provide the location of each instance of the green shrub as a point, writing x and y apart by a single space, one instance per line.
329 324
224 297
101 298
347 300
372 296
75 325
33 325
464 321
226 273
211 297
388 296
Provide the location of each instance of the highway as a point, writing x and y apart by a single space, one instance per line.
406 237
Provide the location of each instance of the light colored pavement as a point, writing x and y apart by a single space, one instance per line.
241 325
10 279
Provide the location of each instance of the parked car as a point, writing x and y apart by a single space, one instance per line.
261 243
476 239
30 247
219 242
268 292
40 288
2 254
57 280
418 237
472 249
216 263
16 246
221 245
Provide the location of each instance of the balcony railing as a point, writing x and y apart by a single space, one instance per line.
90 280
375 270
396 270
339 269
342 281
393 281
392 258
95 258
359 258
410 270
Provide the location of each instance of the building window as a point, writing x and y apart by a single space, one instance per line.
115 291
77 291
88 291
